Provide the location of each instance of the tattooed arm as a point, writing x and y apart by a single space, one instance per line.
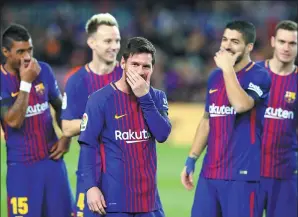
15 115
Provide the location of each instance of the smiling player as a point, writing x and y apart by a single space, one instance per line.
127 117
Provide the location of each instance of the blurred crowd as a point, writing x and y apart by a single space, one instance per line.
186 35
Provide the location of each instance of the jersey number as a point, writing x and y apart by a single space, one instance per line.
19 205
80 202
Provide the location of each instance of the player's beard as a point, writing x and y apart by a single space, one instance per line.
239 58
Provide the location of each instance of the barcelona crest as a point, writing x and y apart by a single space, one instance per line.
290 97
39 88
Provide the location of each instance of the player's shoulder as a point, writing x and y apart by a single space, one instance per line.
45 68
77 77
260 71
215 72
103 94
261 63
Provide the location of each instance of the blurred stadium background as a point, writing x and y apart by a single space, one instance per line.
186 36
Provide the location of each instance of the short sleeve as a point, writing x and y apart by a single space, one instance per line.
258 87
54 91
74 100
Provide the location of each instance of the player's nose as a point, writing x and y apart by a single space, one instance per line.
27 56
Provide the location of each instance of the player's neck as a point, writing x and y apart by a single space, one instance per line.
10 69
279 68
122 85
239 66
101 67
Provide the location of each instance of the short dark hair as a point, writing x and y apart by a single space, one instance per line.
14 32
247 29
286 25
138 45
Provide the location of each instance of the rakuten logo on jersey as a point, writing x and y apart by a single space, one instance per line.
132 136
278 113
36 109
220 111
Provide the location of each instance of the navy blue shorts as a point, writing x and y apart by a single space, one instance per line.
39 189
220 198
278 197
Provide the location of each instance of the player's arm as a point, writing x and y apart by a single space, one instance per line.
197 148
14 114
156 116
91 127
73 107
238 98
201 136
57 104
71 127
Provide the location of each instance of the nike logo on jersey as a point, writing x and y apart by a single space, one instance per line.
14 94
212 91
119 116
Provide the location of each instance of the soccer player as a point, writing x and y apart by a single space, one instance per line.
279 145
104 41
126 117
37 182
231 129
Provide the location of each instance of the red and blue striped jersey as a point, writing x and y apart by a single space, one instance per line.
80 86
126 128
234 140
279 144
36 136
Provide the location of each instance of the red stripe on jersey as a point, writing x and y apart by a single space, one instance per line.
138 122
253 116
149 169
8 206
219 132
252 204
103 157
135 126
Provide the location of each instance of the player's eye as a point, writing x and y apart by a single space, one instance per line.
108 41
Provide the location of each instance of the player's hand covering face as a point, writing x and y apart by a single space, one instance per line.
225 59
138 70
19 50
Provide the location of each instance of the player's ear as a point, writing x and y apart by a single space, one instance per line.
91 42
122 63
249 47
5 52
272 41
